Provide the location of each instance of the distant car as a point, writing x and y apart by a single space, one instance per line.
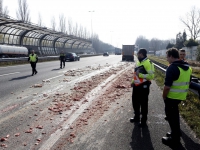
105 54
72 57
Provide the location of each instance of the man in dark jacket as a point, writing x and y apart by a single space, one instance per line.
177 81
33 59
62 59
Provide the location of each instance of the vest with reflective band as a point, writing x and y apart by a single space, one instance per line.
62 54
33 57
179 88
149 69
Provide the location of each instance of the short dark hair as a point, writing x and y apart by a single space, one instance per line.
143 51
172 52
181 50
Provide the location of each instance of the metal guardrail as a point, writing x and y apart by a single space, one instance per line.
196 80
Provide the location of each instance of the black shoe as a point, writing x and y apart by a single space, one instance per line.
35 72
132 120
32 74
60 67
168 134
170 142
166 118
142 125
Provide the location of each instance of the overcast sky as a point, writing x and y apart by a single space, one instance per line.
115 21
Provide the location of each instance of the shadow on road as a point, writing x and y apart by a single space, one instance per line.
55 69
20 78
189 143
141 139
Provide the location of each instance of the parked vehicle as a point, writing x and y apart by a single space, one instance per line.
72 57
128 52
105 54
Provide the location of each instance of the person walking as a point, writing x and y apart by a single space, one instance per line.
33 59
62 59
177 80
144 73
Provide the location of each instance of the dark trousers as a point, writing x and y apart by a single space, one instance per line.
172 113
33 66
140 101
62 61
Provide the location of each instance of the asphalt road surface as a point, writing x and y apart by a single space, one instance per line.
85 106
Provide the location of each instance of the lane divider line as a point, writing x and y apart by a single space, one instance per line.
9 74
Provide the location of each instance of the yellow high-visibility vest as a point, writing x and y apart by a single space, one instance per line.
33 58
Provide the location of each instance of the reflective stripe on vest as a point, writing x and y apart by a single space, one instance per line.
137 80
33 57
179 88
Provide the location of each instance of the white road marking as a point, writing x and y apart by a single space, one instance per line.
54 77
9 74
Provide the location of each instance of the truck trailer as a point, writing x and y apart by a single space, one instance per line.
13 51
118 51
128 52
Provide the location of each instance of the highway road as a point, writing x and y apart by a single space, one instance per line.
17 78
85 106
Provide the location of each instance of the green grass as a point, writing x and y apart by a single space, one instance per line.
189 109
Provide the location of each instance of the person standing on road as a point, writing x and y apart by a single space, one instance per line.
177 81
62 59
33 59
144 72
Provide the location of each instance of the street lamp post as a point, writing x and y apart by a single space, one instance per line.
91 27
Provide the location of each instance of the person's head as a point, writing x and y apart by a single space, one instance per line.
182 54
172 55
142 53
32 51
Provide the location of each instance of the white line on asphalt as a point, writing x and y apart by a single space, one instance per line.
9 74
54 77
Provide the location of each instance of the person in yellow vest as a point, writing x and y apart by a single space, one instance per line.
144 73
194 83
33 59
62 59
177 81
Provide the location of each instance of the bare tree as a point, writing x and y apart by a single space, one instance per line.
23 11
75 30
53 23
40 20
192 22
154 45
70 28
62 24
80 31
3 10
